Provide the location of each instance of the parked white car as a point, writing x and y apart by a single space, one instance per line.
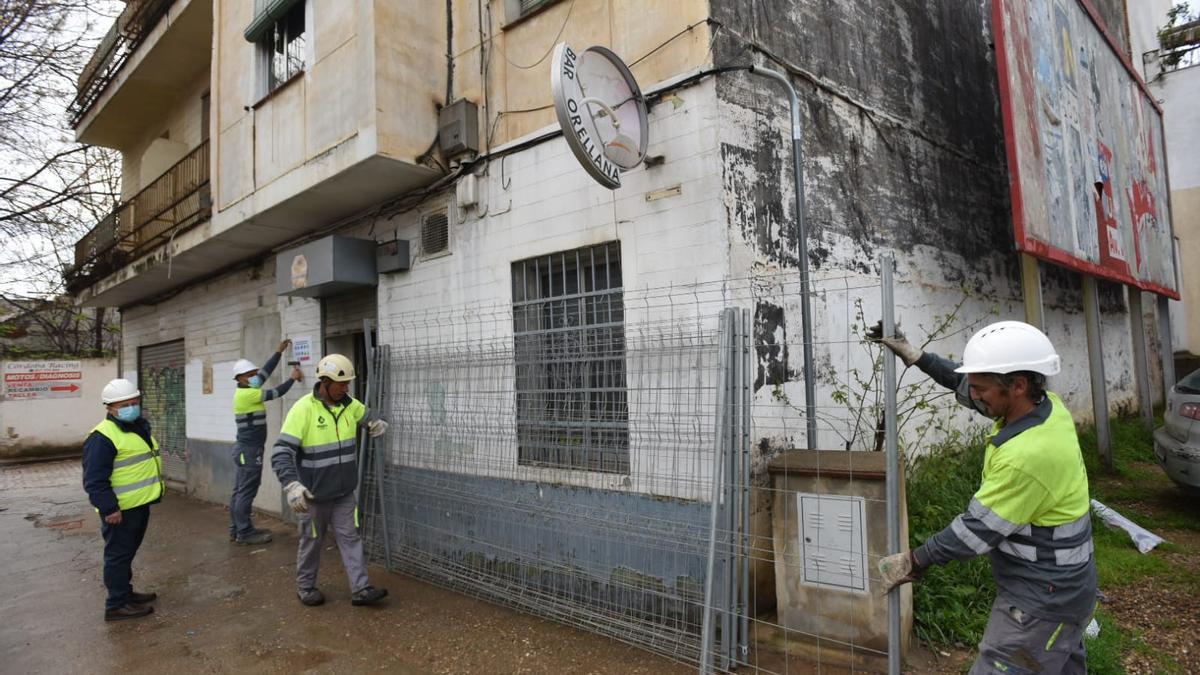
1177 441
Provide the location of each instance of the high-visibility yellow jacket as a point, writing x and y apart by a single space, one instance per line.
1031 514
317 446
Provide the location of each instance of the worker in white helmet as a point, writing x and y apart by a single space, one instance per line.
122 475
250 415
316 460
1031 512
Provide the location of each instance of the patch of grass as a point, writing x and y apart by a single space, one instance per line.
1104 652
1132 442
1118 562
951 604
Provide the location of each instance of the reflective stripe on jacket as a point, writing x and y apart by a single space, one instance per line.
137 468
1031 515
317 446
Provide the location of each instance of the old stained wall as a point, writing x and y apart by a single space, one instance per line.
904 150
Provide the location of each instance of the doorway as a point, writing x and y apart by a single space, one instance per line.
347 321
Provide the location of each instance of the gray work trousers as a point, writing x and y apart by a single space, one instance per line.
340 514
1015 643
248 476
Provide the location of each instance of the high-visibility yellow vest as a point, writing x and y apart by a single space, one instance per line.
137 469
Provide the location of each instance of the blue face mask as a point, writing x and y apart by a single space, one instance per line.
129 413
256 381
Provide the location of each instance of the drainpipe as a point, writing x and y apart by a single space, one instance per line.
810 385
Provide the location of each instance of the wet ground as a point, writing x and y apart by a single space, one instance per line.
227 608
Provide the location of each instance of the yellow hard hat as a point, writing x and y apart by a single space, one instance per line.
336 367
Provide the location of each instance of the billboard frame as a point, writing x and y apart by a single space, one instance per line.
1040 249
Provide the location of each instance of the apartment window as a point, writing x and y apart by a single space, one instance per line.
517 9
283 46
569 345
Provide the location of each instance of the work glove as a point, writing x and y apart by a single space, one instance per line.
376 428
298 496
898 344
896 570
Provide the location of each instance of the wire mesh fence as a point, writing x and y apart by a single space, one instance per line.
635 462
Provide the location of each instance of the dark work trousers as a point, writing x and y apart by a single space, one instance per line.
121 543
249 476
1016 643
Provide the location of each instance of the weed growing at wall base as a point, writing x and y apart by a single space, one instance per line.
951 603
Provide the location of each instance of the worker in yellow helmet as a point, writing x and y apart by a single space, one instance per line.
316 461
1031 512
122 475
250 415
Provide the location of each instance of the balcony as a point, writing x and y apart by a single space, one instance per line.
143 67
174 202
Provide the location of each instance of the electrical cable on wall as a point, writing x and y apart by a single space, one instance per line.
548 51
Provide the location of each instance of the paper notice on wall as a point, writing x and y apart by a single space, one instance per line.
42 379
302 350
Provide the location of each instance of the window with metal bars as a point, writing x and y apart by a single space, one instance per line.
283 45
569 344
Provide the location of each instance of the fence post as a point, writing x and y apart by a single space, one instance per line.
890 447
721 423
744 383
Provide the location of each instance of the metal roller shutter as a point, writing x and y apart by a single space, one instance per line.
160 377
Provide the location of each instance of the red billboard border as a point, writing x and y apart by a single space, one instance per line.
1040 249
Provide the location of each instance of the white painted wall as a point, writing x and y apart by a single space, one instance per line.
544 203
1145 18
29 424
1179 92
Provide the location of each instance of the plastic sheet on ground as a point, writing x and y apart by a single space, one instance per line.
1144 539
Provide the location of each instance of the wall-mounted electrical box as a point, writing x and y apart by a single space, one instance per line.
326 267
392 256
458 128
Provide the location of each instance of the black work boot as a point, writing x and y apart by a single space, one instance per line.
368 595
254 537
142 598
128 610
311 596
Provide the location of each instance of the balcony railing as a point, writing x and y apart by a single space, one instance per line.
133 25
174 202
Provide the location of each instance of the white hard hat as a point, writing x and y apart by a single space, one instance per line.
119 390
336 367
243 366
1007 347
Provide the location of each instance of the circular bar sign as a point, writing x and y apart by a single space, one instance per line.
601 110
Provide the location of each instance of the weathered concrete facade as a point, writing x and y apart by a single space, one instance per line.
904 150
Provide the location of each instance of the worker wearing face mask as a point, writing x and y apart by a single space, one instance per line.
250 414
122 475
1030 514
